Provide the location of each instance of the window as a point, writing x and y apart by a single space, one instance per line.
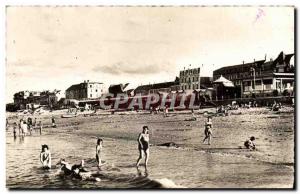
90 86
91 95
257 82
268 81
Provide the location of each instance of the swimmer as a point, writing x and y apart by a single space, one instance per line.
65 167
249 144
98 151
45 157
143 146
80 172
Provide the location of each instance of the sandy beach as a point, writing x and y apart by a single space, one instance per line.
223 164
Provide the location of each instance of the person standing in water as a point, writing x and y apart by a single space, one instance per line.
24 128
15 130
98 151
45 157
143 146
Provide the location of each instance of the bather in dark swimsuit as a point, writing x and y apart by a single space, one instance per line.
144 143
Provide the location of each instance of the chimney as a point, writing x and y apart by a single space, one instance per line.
243 62
84 81
265 56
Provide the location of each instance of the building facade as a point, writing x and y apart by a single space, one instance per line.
85 90
189 79
31 99
261 78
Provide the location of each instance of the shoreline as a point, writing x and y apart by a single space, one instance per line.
272 130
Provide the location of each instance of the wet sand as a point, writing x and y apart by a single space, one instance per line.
223 164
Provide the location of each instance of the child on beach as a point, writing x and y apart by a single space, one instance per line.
45 157
208 131
249 144
143 146
98 151
208 134
53 122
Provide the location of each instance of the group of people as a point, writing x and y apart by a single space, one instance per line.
78 171
26 126
249 143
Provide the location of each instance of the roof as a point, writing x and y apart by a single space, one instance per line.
156 86
265 65
244 65
224 81
117 88
283 58
74 87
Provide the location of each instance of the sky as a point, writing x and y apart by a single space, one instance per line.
54 47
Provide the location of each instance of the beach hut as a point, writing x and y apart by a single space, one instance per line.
224 88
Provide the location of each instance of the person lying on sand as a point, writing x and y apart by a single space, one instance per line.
143 146
249 144
45 157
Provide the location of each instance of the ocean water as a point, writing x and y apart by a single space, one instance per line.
168 167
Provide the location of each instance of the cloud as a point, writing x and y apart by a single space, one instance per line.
130 69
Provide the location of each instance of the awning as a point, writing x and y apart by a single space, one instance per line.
224 81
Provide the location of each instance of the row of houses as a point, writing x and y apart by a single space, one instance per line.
253 79
258 78
34 99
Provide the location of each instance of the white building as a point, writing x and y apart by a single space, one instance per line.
85 90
